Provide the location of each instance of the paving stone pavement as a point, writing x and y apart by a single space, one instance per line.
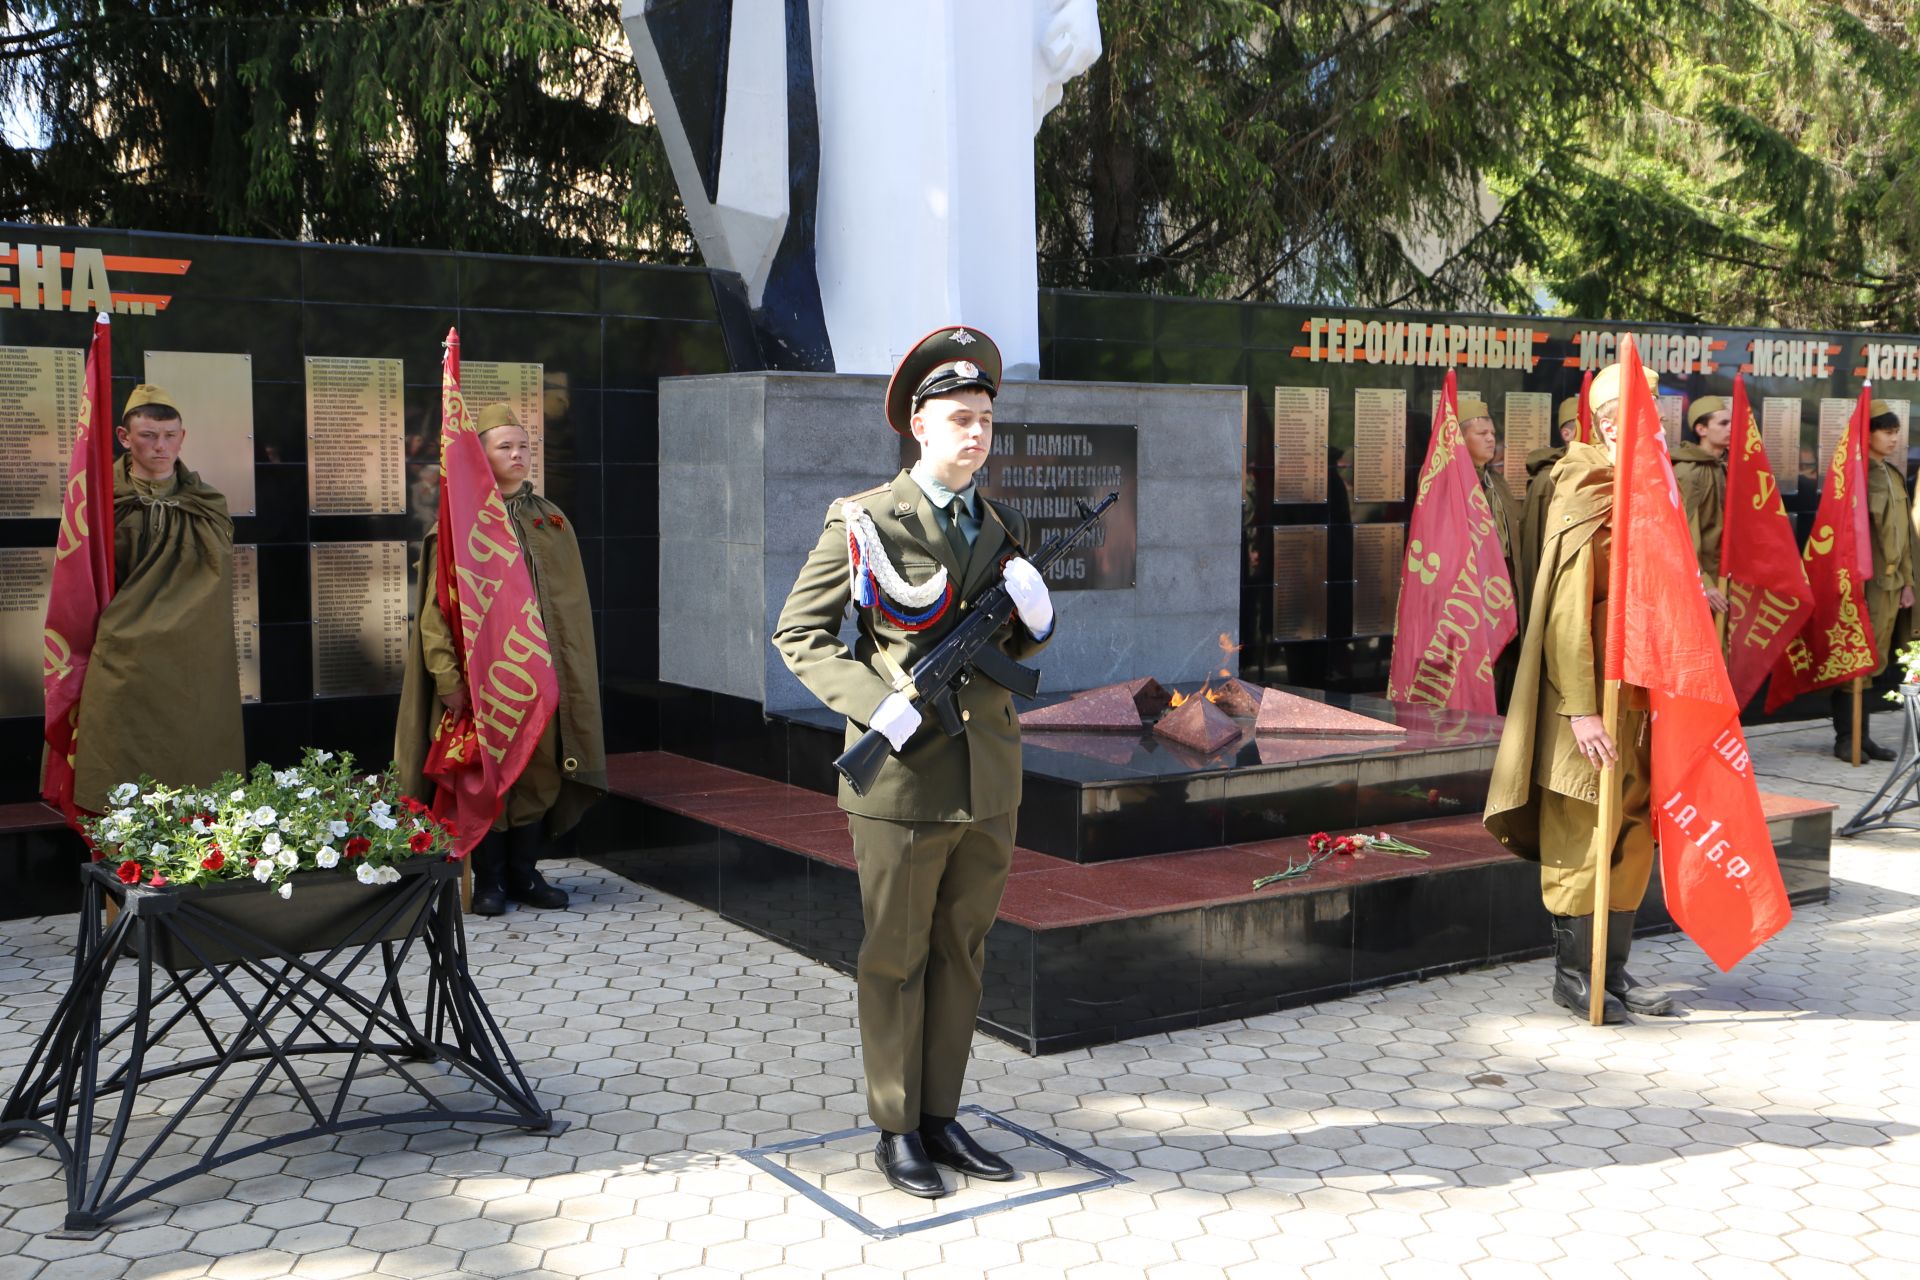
1459 1126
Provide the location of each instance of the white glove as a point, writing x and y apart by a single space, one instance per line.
1030 595
897 718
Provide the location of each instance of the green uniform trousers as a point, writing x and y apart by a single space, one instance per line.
1566 833
929 892
1883 613
537 789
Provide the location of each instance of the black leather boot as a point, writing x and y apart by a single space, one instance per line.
1634 994
948 1144
1572 965
1841 703
489 859
904 1162
524 882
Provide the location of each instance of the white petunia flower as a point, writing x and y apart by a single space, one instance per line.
373 779
153 800
285 777
385 823
158 851
308 793
123 793
380 809
288 859
271 845
365 874
388 875
328 857
263 871
237 794
336 828
321 757
285 890
263 816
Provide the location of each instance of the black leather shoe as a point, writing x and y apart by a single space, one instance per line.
948 1144
488 860
1871 750
524 882
904 1162
1572 958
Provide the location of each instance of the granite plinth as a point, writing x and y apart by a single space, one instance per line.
1198 725
1085 955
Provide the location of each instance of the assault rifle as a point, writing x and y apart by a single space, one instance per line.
968 650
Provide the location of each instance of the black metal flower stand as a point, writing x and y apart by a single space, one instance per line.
239 992
1901 791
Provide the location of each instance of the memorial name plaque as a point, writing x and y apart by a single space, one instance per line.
1672 413
1780 428
214 390
26 575
1379 444
1300 444
246 619
356 440
1378 550
1835 414
522 386
40 389
1045 470
1300 582
1529 427
359 617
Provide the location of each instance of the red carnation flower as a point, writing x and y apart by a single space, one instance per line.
357 846
1319 842
420 841
214 860
130 873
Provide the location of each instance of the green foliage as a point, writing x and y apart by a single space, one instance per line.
505 125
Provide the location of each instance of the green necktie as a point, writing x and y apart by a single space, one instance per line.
959 537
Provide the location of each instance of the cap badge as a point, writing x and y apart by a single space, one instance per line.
961 337
966 368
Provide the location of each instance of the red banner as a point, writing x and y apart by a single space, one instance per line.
486 594
1585 433
1717 863
1837 642
1456 610
1768 599
82 572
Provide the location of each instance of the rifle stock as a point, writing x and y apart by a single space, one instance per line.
962 654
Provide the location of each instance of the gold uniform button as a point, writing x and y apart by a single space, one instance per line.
966 715
570 764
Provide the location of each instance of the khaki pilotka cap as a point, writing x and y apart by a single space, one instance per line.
499 414
1879 409
1472 407
147 394
1569 411
1606 384
1705 407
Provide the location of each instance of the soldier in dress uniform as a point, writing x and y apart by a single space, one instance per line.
1890 593
933 835
162 694
1543 799
1700 469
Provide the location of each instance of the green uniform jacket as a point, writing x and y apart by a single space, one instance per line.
1533 523
1506 512
936 778
1893 559
566 610
1537 747
1702 477
162 694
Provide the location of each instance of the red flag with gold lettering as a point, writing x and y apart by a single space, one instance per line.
82 572
1456 610
1837 642
1717 864
486 594
1768 599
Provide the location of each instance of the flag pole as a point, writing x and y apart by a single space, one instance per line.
1859 730
1604 835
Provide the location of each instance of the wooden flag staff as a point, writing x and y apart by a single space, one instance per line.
1605 833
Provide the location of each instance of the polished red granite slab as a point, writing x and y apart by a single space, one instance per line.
1045 892
1110 709
1283 712
32 816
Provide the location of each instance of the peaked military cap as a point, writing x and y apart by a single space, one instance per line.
953 358
499 414
147 394
1705 407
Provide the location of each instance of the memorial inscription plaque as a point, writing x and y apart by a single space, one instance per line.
359 617
356 440
1529 426
1379 444
1835 413
1300 444
40 389
214 390
1780 428
1300 582
1378 550
26 573
1045 470
246 619
1672 414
